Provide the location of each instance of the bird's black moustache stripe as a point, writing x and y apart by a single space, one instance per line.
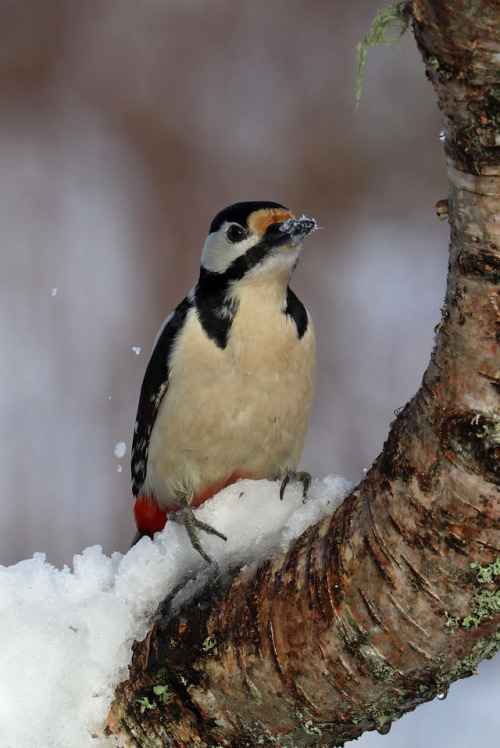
216 283
215 305
241 265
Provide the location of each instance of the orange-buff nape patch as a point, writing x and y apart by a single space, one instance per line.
261 219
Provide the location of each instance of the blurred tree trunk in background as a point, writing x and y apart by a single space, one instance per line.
380 607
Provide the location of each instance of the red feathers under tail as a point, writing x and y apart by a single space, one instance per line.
149 518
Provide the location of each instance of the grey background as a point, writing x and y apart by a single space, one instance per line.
125 126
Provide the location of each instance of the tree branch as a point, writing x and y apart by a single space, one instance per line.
376 609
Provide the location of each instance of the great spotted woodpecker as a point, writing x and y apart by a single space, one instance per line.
228 388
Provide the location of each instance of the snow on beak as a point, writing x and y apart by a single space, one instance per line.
298 228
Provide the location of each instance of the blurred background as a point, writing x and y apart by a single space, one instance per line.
125 126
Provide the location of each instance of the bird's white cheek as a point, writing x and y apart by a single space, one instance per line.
218 254
214 256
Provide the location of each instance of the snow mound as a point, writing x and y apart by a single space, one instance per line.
67 635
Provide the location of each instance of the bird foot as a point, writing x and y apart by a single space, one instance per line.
185 516
300 477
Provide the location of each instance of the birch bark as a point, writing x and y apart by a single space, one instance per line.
381 606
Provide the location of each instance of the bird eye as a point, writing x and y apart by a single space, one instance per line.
235 233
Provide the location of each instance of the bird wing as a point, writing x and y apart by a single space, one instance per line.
154 387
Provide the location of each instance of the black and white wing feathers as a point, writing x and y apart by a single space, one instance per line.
154 387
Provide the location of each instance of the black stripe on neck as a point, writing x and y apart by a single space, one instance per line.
215 306
297 311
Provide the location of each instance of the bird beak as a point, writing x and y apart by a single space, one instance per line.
294 230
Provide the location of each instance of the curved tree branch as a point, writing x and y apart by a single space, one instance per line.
377 608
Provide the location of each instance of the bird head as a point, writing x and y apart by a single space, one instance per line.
254 237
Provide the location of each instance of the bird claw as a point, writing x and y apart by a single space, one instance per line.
301 477
185 516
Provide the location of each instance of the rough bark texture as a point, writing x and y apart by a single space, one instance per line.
377 608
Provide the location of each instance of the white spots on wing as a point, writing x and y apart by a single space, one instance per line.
156 398
139 467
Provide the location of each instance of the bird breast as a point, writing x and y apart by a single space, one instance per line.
242 409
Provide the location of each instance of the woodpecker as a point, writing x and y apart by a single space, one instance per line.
228 388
